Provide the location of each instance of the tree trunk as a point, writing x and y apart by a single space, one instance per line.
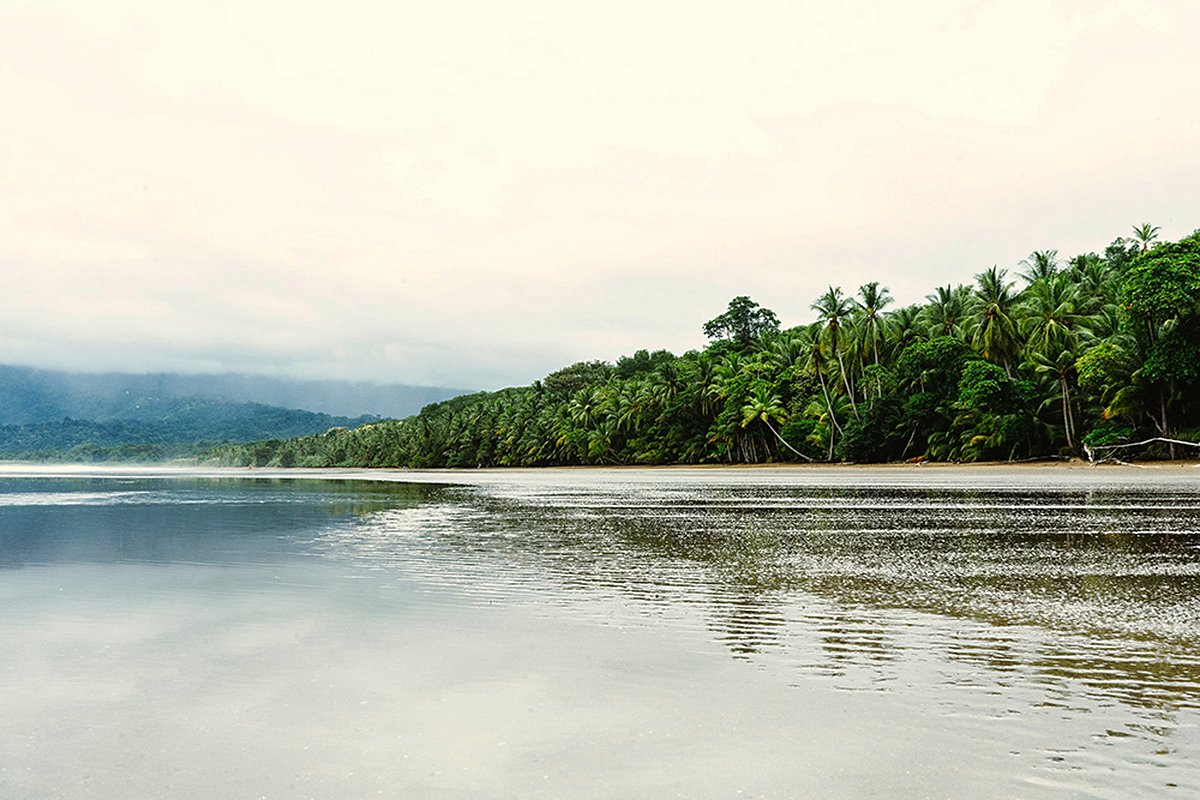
1166 428
1066 411
846 383
828 402
784 441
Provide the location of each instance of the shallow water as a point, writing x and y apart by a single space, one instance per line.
601 634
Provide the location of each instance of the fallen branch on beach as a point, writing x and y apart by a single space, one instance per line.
1092 458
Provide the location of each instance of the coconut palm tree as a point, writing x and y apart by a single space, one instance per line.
763 406
1059 366
993 321
1095 278
815 363
1052 320
870 304
947 310
1146 234
1041 265
834 311
901 328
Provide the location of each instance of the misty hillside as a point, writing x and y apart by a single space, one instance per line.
31 396
173 425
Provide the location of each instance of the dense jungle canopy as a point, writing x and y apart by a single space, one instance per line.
1040 361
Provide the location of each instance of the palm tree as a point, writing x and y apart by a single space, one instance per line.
813 344
1055 331
764 406
785 350
995 333
1094 277
834 310
872 300
1146 234
1059 367
1041 265
901 328
629 403
946 310
1052 320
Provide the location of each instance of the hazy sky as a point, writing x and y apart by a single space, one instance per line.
476 193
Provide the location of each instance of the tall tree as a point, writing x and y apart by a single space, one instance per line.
814 347
743 322
1145 234
1041 265
947 310
871 302
834 310
1162 293
994 322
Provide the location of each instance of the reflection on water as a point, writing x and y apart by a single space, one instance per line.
1057 629
1064 602
201 520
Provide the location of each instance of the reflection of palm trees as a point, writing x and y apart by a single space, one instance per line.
747 623
811 575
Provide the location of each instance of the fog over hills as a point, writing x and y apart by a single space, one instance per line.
31 396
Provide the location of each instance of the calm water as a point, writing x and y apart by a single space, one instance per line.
692 633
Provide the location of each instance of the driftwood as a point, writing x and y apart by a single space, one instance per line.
1091 456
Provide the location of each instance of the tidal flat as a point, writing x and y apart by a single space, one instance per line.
790 632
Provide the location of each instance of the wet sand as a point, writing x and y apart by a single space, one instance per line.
980 475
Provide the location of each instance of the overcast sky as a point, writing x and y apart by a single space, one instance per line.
474 194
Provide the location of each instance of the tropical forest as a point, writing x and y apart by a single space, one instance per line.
1052 358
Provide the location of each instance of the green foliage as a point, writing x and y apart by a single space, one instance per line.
178 428
1107 433
1175 356
1094 349
568 380
743 322
643 361
877 435
1104 367
1164 282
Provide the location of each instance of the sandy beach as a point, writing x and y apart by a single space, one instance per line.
980 475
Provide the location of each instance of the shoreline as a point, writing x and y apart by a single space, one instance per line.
983 476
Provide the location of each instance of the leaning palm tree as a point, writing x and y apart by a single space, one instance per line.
763 406
815 361
993 321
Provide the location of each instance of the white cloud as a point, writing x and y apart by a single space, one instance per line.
476 193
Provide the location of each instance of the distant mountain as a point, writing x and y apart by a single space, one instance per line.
114 416
172 427
30 396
